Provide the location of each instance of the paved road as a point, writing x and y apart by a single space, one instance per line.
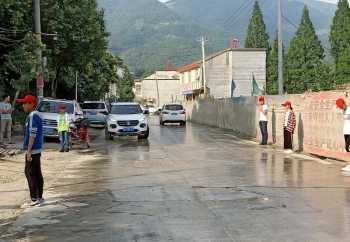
191 184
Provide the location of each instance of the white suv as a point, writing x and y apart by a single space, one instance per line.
172 113
127 119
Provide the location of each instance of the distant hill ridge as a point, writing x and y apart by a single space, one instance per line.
147 32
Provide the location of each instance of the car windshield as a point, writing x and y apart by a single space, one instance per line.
174 107
94 106
52 107
126 109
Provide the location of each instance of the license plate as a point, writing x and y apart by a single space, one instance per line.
48 131
174 114
128 130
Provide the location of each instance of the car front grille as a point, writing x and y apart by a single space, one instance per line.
50 122
128 123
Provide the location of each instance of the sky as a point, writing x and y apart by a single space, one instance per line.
329 1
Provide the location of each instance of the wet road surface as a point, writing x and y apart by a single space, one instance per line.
191 184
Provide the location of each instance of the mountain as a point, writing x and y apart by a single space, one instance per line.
233 16
147 32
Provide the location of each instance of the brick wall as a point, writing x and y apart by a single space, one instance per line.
319 124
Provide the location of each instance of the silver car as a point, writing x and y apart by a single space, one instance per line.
96 113
48 109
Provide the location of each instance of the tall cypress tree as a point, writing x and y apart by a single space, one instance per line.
305 67
257 36
340 42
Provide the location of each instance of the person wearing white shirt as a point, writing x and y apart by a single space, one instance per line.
263 120
341 104
5 119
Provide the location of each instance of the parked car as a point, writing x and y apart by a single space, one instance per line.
96 113
151 108
145 109
172 113
48 108
127 119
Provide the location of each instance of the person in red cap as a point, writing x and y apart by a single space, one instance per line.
341 104
263 119
33 144
288 127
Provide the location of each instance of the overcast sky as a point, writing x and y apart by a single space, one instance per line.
330 1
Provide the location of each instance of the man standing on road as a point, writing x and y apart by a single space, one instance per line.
263 120
6 119
341 104
32 144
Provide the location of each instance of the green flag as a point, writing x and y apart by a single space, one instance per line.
256 91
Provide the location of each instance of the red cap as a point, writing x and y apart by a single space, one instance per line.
340 103
28 99
287 103
261 98
62 106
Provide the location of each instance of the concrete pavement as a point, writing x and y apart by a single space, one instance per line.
190 184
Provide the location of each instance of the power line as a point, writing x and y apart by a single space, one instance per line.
234 21
290 22
231 17
14 30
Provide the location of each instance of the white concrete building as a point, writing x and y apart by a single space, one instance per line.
159 88
191 80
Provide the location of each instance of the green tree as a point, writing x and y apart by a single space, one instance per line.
101 75
340 42
22 62
81 41
81 46
15 19
125 86
257 36
305 67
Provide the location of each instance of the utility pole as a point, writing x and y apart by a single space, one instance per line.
158 101
37 30
203 40
280 50
76 86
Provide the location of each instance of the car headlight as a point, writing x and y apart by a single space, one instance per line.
112 120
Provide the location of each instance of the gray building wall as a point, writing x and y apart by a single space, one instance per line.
218 72
239 66
246 64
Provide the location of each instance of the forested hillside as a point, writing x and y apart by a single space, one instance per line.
147 32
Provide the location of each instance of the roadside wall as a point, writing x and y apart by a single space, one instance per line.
238 115
319 124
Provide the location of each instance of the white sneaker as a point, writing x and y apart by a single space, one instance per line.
346 168
30 204
288 152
